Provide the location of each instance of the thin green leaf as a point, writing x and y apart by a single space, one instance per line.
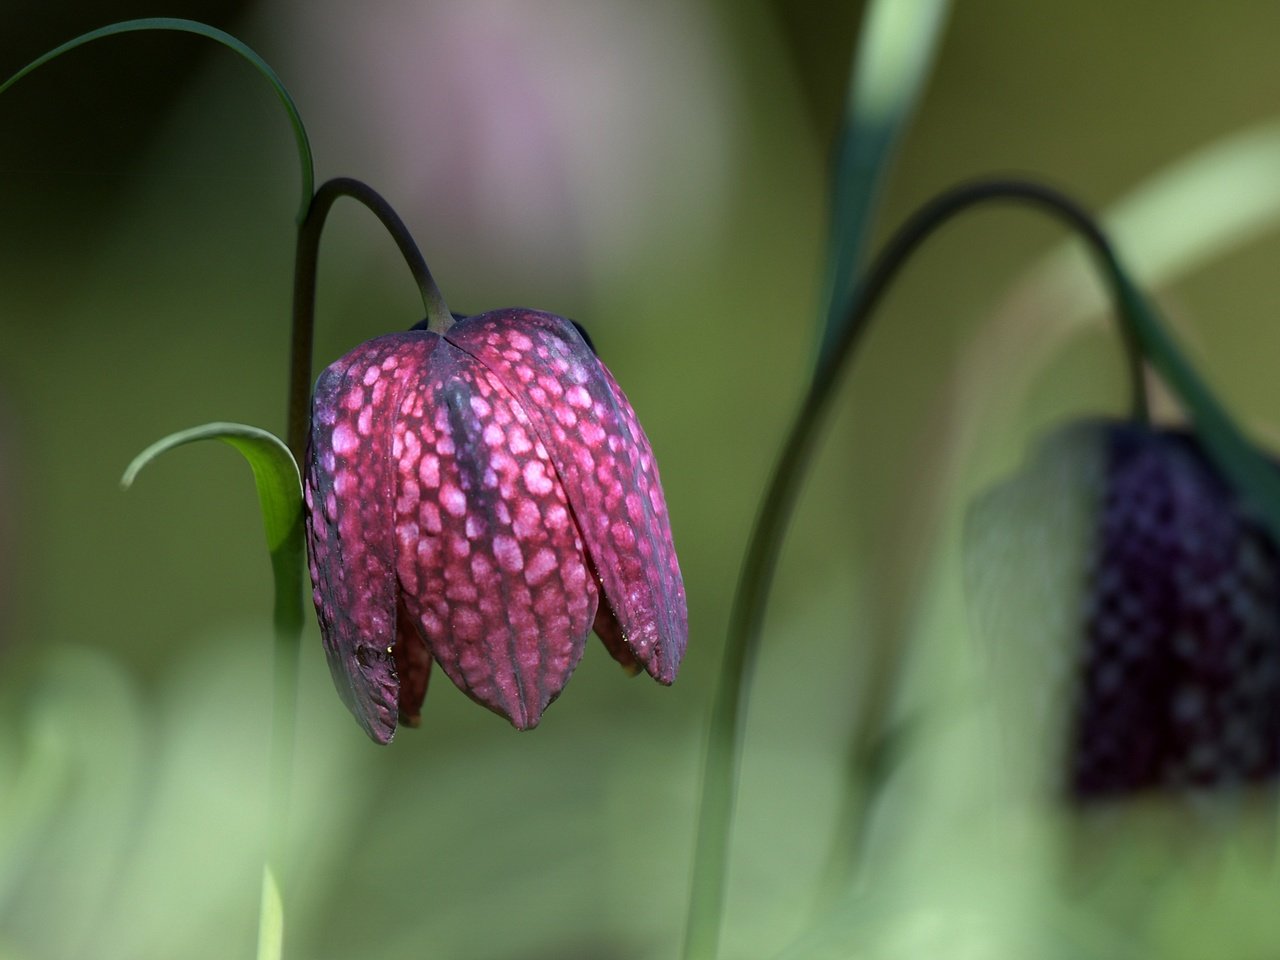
1215 198
887 75
1244 465
212 33
270 918
895 51
274 473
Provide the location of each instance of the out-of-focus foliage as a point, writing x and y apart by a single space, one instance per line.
658 171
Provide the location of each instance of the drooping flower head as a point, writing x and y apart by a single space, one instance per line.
483 499
1148 597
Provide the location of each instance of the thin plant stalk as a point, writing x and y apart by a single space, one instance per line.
287 620
275 475
287 565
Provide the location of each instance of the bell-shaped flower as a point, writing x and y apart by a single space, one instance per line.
1142 601
483 499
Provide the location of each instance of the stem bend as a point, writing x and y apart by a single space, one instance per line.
304 290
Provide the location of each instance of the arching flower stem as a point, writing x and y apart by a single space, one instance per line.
1142 333
306 261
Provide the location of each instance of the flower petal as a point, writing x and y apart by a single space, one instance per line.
490 563
604 460
413 665
610 634
1027 548
1181 684
349 490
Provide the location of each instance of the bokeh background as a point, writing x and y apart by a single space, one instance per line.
658 171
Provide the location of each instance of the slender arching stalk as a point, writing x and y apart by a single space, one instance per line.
1142 333
306 261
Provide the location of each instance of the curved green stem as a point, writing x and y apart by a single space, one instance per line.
212 33
1142 332
306 259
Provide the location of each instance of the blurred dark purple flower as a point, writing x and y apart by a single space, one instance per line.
1170 617
483 499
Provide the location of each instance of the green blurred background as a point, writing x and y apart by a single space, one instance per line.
657 171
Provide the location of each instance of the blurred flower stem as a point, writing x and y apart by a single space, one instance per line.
896 46
1142 333
897 41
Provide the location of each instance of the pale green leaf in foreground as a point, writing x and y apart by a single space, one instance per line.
275 474
270 918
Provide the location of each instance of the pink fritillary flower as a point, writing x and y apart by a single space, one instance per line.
483 499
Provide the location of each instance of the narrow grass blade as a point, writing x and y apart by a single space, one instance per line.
895 52
274 473
270 918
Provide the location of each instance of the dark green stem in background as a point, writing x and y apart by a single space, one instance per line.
306 262
1141 332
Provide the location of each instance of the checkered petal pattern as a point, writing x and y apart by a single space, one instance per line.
1143 601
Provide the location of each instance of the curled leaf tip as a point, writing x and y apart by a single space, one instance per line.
275 472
